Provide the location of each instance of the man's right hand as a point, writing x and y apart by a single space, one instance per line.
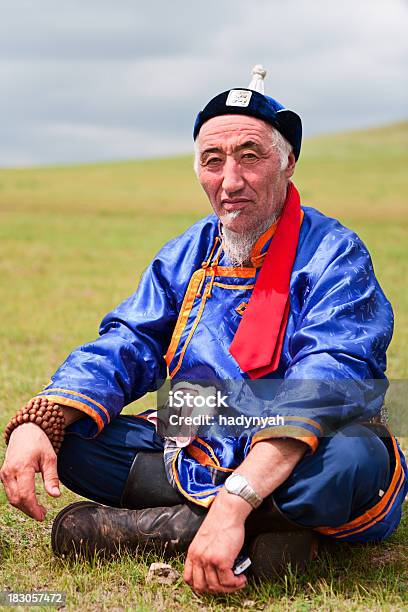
29 451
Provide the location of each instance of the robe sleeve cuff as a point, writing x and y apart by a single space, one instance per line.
308 433
99 415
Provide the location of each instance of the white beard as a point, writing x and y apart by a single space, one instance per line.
238 247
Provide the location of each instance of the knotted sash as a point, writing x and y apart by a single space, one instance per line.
258 341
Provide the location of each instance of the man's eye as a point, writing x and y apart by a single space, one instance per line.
249 157
213 161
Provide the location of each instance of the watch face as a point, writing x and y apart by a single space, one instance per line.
235 483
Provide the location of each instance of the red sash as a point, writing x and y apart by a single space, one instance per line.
257 344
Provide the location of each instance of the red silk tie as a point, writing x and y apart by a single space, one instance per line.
258 341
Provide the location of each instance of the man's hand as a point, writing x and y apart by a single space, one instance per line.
29 451
219 540
217 544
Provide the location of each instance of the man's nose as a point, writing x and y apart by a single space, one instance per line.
232 176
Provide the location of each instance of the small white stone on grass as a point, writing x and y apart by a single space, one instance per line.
162 573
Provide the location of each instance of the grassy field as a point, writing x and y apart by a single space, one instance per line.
73 243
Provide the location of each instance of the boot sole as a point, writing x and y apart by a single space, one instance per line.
55 531
272 552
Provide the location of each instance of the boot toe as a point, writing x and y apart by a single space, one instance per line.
70 534
270 553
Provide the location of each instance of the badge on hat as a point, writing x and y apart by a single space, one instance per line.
238 97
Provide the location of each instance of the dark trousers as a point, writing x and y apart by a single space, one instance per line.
347 474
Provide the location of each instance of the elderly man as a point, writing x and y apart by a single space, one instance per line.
264 290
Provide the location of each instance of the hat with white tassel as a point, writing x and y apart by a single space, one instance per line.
252 101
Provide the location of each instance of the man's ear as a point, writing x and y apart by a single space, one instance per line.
290 168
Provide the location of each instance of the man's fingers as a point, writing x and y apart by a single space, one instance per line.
215 585
50 476
199 581
20 492
27 501
228 579
213 582
10 485
188 571
212 579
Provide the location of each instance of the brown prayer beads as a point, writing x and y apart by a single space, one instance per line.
42 412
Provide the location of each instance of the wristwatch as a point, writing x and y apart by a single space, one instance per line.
238 485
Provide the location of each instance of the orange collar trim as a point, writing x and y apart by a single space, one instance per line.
262 241
258 252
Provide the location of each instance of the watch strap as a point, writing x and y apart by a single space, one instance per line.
244 490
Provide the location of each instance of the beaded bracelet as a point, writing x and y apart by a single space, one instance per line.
42 412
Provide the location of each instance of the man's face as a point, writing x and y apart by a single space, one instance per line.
240 171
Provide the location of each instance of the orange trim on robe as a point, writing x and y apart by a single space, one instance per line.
192 330
77 394
241 308
262 240
374 514
203 459
185 310
287 431
209 448
234 272
65 401
200 502
311 422
237 287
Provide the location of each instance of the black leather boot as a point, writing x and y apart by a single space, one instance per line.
168 526
86 528
273 541
147 484
272 552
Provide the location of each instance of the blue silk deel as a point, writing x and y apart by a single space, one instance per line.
184 315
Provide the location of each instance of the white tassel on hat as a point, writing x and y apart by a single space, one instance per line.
257 82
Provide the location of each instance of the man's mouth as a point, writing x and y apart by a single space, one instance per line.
232 205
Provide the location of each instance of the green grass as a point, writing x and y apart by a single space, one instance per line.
73 243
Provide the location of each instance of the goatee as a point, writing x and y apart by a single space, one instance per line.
238 246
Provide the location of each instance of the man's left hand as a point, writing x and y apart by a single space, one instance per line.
217 544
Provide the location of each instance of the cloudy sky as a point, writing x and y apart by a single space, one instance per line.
89 80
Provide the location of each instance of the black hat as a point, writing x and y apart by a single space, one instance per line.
253 102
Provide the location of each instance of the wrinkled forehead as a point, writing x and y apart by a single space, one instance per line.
233 129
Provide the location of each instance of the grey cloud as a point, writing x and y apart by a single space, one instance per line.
92 80
108 30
